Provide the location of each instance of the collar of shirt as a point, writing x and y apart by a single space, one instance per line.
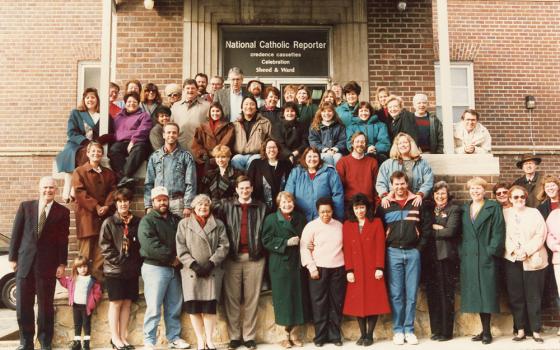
235 93
47 207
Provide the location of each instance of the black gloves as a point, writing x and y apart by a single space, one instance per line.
202 270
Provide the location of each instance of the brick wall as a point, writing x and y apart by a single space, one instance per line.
150 43
514 48
400 49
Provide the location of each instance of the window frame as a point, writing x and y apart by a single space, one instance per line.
470 81
82 66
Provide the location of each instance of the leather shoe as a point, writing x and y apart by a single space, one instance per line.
318 344
538 339
486 339
368 341
360 341
477 337
435 337
127 182
444 338
24 347
337 342
518 338
47 347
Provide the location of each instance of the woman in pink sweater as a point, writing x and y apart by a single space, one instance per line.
321 253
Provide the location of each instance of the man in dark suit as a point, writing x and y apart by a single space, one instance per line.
231 98
38 255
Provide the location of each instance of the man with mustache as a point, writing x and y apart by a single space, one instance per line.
161 271
357 171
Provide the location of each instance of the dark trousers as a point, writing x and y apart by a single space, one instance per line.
124 163
81 320
26 289
525 291
327 297
440 290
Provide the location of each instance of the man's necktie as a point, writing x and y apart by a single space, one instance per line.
42 220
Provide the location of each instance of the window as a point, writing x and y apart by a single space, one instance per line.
89 73
462 89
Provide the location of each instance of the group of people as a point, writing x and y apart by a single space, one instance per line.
334 204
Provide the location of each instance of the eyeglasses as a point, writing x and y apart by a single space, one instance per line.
519 197
174 95
501 193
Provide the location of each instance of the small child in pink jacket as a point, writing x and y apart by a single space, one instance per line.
84 292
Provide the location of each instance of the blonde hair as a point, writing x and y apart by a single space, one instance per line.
221 151
477 181
414 150
548 178
78 262
377 104
395 98
285 194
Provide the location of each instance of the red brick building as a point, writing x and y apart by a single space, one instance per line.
500 51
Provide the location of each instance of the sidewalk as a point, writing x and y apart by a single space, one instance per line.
551 341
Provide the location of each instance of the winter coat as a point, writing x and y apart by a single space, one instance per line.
92 189
66 159
118 263
422 176
252 143
442 244
405 122
436 134
197 244
268 181
157 238
375 131
94 292
134 127
306 191
307 113
480 137
545 208
230 210
528 230
480 252
274 116
532 188
553 237
217 186
347 114
290 294
189 117
327 137
364 252
292 136
205 140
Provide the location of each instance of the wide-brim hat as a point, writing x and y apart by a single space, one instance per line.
526 158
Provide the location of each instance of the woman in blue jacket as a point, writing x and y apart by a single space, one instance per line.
378 142
313 179
328 134
405 157
348 110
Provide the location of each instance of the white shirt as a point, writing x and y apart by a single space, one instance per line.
80 289
234 105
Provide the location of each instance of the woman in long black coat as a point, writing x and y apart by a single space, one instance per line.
269 174
441 260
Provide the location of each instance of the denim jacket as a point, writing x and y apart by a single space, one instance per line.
175 171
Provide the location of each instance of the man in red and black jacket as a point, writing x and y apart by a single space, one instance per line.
407 228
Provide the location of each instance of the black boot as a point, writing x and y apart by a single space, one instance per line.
362 325
85 345
75 345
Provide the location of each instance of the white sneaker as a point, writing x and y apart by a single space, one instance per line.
148 346
411 339
179 344
398 339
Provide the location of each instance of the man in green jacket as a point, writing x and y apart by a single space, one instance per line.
160 271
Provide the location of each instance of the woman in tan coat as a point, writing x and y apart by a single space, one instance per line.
526 260
93 186
202 246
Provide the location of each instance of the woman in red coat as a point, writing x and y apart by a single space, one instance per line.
364 259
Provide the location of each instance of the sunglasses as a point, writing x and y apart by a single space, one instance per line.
173 95
501 193
519 197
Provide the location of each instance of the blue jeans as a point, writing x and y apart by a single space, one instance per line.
242 161
162 286
403 267
331 159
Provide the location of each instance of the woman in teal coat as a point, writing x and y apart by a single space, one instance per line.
481 248
290 297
